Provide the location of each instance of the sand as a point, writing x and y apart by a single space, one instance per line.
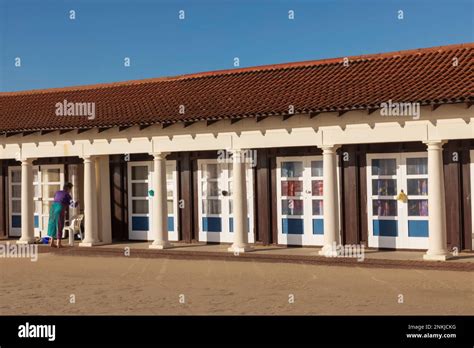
130 286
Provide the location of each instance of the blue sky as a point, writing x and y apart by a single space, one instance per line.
56 51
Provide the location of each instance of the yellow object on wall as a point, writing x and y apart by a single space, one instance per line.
402 197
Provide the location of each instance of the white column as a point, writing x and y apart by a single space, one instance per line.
330 201
27 202
239 197
90 204
74 180
103 199
160 203
437 245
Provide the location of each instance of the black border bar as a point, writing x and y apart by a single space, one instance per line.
240 330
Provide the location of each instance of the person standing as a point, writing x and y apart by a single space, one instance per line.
62 201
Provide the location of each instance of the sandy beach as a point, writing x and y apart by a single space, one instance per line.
72 285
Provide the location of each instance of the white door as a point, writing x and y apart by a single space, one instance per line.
140 200
47 180
216 223
300 200
394 222
14 207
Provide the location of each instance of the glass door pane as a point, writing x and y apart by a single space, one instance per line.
293 169
140 189
140 206
384 166
211 206
384 187
385 207
16 191
418 207
53 175
15 176
211 171
417 187
139 172
417 166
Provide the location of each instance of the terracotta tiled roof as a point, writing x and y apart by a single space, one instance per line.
425 75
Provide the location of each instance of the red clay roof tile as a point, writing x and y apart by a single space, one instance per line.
423 75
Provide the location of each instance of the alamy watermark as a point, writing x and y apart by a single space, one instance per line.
391 108
37 331
242 156
27 251
349 250
66 108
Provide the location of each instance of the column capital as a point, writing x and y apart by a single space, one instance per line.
26 161
88 157
329 148
435 144
237 150
237 154
159 155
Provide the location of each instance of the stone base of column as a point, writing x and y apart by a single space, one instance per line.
90 244
328 250
26 241
437 257
240 248
160 245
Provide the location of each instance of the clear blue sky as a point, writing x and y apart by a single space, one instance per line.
56 51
